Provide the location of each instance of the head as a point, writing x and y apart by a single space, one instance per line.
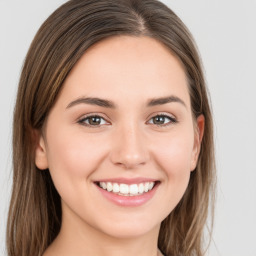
71 36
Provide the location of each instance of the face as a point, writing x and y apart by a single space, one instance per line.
120 141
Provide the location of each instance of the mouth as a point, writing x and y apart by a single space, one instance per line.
124 189
128 192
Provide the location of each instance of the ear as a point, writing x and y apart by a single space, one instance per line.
199 133
40 151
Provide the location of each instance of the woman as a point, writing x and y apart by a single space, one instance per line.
112 139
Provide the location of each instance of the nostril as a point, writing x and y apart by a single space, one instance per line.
129 151
129 161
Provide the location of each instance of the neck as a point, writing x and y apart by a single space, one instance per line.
78 238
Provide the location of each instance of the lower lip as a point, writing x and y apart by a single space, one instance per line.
128 201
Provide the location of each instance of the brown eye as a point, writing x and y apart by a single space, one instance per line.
162 120
159 119
93 121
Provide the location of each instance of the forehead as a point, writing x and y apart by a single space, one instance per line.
134 67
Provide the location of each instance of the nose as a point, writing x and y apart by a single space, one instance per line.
129 148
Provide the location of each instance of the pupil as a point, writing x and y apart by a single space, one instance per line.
159 120
94 120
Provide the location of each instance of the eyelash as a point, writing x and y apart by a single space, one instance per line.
172 120
82 121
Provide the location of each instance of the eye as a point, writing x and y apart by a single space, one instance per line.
162 120
94 120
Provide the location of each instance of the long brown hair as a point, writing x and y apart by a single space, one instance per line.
35 209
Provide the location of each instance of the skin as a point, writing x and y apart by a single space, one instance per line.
127 143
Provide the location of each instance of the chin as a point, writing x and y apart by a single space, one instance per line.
129 226
131 231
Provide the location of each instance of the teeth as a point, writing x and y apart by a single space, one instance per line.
146 187
151 185
141 188
103 185
109 187
124 189
127 190
134 189
116 188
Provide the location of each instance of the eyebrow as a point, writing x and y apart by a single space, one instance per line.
92 101
165 100
109 104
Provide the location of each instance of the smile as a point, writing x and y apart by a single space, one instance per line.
127 189
128 192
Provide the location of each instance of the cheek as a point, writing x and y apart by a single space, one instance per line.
174 154
174 158
72 158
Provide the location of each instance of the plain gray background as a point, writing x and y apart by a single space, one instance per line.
225 32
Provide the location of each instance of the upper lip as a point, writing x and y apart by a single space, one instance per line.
127 180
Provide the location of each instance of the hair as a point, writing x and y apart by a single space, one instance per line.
34 218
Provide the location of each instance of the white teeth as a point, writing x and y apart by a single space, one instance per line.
146 187
151 185
133 189
141 188
127 190
116 188
109 186
124 189
103 185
